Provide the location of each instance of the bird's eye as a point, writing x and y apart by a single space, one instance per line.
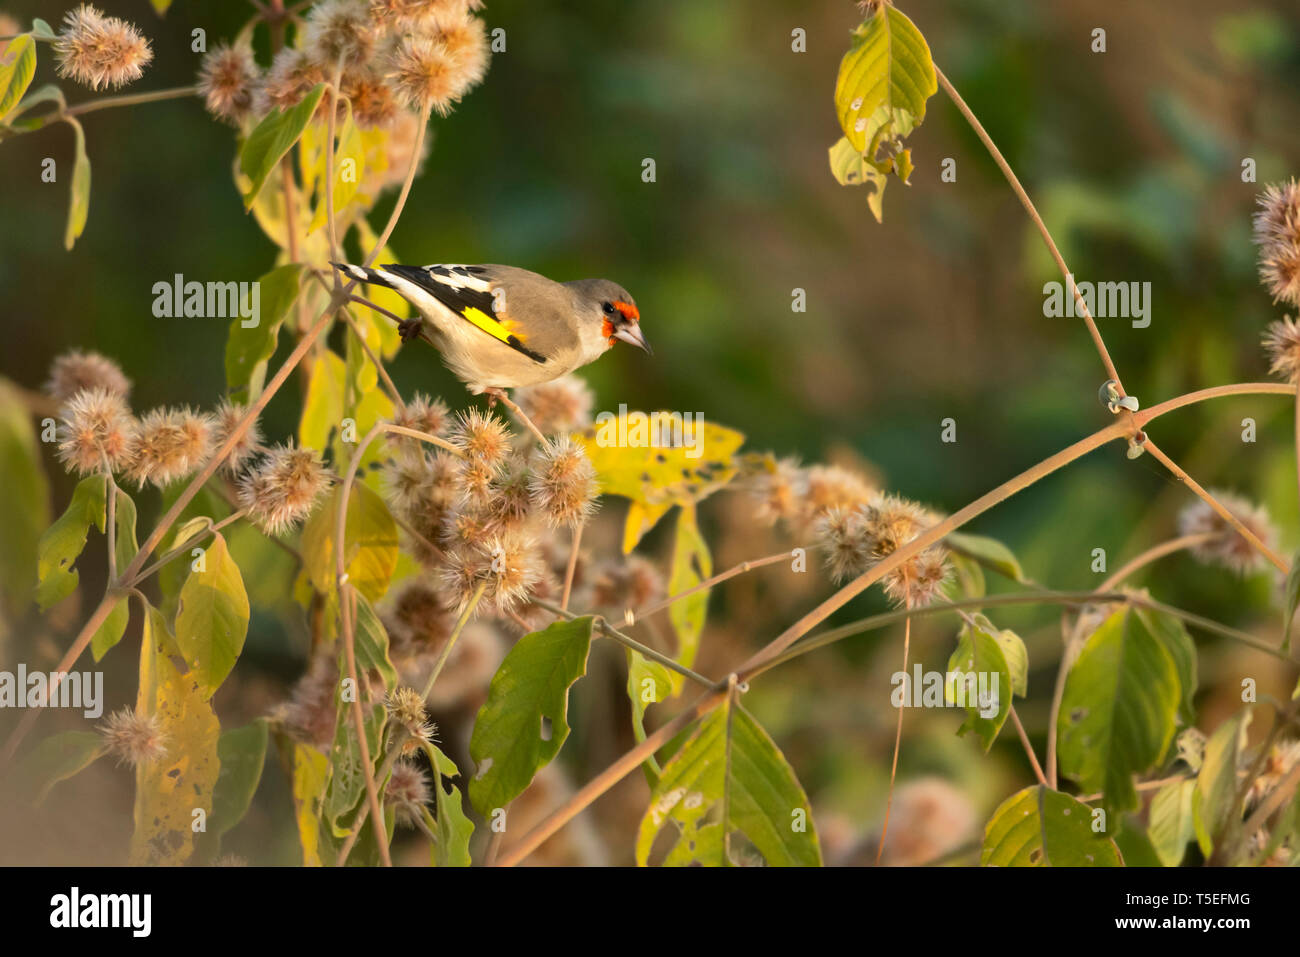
609 308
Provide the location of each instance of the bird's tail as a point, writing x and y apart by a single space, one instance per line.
362 274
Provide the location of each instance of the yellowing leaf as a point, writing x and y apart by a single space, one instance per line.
212 618
17 67
640 519
79 196
661 458
692 564
169 791
1039 827
310 772
371 534
884 79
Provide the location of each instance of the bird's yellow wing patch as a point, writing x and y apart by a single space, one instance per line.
492 326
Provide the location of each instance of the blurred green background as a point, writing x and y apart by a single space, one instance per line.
1132 155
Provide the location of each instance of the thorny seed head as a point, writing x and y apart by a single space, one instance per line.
559 406
228 80
1282 342
441 62
857 539
229 415
309 714
1277 232
338 32
96 428
134 738
1282 757
406 707
832 486
374 105
288 80
564 484
779 492
509 498
284 488
75 371
1227 547
407 791
631 583
99 51
481 437
170 444
509 566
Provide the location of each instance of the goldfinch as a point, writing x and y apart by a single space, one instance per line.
500 327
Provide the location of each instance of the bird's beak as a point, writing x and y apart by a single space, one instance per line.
630 332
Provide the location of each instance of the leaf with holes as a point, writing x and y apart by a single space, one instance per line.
524 721
1039 827
1118 711
452 826
661 457
170 790
743 765
59 547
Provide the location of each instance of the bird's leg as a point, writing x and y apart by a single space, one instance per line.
410 329
495 394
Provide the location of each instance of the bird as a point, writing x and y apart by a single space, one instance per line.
501 327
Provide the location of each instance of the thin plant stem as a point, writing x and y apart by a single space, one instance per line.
345 599
130 99
1223 512
330 122
376 307
572 567
394 752
1043 231
110 523
406 191
710 582
1029 748
898 740
518 413
1154 553
374 360
465 616
211 529
609 631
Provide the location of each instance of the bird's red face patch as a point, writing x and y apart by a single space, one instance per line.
629 311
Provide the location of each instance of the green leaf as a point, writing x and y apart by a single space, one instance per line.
370 639
1117 713
967 580
242 753
989 552
161 6
57 758
692 564
766 802
1039 827
63 541
884 80
110 632
648 682
371 535
168 791
1214 804
1013 650
1172 633
249 349
212 618
659 457
1292 599
17 67
79 195
1135 847
125 541
42 30
452 827
272 138
524 721
27 495
49 93
1171 823
979 656
347 784
847 165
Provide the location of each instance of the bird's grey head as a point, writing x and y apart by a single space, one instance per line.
608 303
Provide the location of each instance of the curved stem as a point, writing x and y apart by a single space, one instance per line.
1152 554
1029 748
572 567
1215 392
1025 201
1222 512
710 582
131 99
389 386
402 197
